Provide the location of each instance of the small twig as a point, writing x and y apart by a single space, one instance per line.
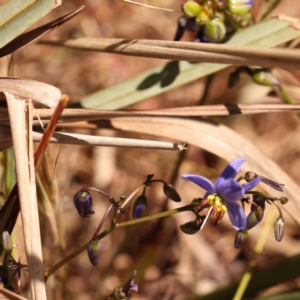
81 139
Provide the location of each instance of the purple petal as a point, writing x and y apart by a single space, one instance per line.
201 181
250 185
230 190
236 215
231 169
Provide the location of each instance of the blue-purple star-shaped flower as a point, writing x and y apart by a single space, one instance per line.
229 190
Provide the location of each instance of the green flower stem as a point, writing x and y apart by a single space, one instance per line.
157 216
112 228
75 253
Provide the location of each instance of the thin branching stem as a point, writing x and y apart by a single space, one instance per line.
80 249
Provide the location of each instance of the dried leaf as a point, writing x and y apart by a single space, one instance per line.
39 92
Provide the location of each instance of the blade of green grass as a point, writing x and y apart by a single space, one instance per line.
270 33
12 8
20 22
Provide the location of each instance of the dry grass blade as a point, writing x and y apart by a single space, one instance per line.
192 52
34 34
39 92
77 115
217 139
20 122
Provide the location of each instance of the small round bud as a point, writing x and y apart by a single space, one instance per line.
202 18
240 238
283 200
139 207
171 193
215 30
264 77
83 202
279 228
191 9
249 176
240 7
191 227
7 243
94 249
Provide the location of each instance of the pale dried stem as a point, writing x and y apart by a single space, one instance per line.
19 113
188 51
77 115
81 139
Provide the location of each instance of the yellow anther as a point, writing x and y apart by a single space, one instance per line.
211 197
224 208
217 202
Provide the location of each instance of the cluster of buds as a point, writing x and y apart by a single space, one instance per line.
223 197
213 16
124 293
83 202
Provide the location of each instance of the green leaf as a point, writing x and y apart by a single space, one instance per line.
18 15
267 34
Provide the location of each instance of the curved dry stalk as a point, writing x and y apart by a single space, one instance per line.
187 51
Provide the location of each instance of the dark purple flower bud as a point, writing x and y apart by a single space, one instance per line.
279 228
139 207
134 288
171 193
240 238
83 202
7 243
251 220
191 227
260 201
94 249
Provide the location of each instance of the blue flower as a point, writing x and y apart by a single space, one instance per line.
226 192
